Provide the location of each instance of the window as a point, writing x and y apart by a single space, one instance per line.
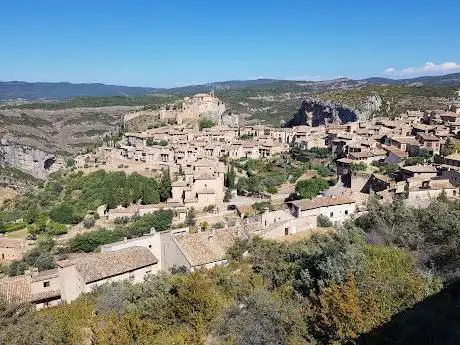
46 284
346 211
454 193
286 231
331 214
150 246
3 256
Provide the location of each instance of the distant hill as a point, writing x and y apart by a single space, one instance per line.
60 91
441 80
35 91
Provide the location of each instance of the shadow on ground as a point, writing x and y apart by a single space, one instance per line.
435 320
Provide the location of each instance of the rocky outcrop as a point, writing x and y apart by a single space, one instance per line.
317 113
30 160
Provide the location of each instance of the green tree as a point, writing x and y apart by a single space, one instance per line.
308 189
447 148
204 122
190 220
230 178
165 186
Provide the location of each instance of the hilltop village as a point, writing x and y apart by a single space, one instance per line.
230 182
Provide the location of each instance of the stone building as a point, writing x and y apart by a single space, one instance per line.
11 249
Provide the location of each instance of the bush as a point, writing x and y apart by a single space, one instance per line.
272 189
209 208
90 241
64 213
160 220
323 221
308 189
12 227
204 122
89 222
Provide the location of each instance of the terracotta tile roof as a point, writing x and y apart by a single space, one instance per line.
204 176
405 140
420 168
15 289
322 201
206 247
104 265
395 151
362 154
428 137
383 178
45 275
54 294
453 156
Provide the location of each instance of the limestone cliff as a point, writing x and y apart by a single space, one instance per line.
316 113
30 160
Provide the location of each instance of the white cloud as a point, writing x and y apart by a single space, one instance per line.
428 68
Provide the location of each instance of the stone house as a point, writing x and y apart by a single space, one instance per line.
419 171
452 159
406 143
204 249
427 189
80 275
39 288
84 274
336 208
151 241
429 142
11 249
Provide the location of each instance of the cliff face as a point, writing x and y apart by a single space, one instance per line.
316 113
30 160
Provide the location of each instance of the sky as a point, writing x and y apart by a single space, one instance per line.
182 42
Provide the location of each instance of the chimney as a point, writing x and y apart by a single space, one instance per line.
125 239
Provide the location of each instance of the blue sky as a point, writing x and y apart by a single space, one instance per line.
180 42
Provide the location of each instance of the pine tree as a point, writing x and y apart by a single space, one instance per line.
230 178
165 186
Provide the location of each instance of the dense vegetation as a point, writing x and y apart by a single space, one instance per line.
256 175
43 255
68 199
308 189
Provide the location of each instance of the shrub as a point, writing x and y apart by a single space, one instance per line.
90 241
204 122
323 221
307 189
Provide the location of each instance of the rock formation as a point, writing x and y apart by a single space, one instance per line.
30 160
317 113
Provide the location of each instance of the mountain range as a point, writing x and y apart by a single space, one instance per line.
14 90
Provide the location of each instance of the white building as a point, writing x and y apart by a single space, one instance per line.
336 208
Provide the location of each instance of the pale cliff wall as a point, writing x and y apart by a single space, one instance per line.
316 113
30 160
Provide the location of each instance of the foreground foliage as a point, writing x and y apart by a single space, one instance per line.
325 290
